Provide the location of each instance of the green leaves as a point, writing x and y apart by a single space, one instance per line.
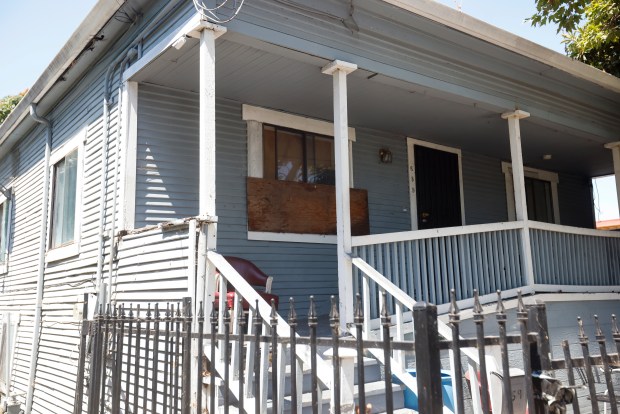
591 29
8 103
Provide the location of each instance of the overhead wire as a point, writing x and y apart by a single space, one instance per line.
209 13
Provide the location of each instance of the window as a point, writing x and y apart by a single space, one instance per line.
65 199
5 223
539 200
541 194
292 149
292 155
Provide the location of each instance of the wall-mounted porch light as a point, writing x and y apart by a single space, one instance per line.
385 156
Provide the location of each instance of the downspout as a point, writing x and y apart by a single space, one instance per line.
36 336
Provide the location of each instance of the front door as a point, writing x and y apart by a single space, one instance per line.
435 186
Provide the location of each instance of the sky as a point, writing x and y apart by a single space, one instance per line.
27 49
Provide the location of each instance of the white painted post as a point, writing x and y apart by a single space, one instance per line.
339 70
518 179
207 239
615 152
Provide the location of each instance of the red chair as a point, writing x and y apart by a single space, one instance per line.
255 277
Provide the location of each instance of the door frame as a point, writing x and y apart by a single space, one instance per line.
413 201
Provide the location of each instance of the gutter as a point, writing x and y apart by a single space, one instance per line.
486 32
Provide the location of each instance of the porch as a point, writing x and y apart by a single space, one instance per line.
371 108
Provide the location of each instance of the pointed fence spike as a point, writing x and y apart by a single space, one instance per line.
599 331
454 309
148 312
201 311
385 317
477 306
131 310
292 314
213 314
257 318
274 313
500 304
359 310
107 310
122 311
178 314
582 332
334 314
156 311
520 305
614 324
312 315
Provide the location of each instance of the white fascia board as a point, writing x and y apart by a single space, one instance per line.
100 14
464 23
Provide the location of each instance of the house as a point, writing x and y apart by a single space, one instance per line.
156 136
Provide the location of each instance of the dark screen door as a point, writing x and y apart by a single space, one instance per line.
438 193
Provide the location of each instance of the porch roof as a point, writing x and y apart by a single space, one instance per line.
387 99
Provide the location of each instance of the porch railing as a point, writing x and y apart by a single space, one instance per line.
427 264
570 256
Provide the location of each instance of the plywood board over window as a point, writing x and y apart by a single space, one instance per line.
293 207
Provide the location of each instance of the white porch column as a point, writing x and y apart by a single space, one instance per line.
207 238
518 179
339 71
615 152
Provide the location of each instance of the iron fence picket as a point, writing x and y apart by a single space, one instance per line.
570 374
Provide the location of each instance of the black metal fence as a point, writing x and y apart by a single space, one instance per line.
139 361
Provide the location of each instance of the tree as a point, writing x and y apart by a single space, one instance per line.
8 103
591 29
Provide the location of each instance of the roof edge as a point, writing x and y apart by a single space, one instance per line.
467 24
92 24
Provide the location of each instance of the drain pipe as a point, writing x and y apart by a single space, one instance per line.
36 336
104 172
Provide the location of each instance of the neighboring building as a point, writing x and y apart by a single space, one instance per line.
613 224
446 148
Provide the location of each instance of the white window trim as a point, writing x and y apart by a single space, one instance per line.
4 266
549 176
255 117
72 249
413 200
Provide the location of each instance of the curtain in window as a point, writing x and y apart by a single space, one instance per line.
63 217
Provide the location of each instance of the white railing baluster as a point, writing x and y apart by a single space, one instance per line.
220 317
249 355
400 335
366 304
234 351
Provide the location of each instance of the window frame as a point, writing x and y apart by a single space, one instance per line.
6 199
535 173
256 117
72 248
